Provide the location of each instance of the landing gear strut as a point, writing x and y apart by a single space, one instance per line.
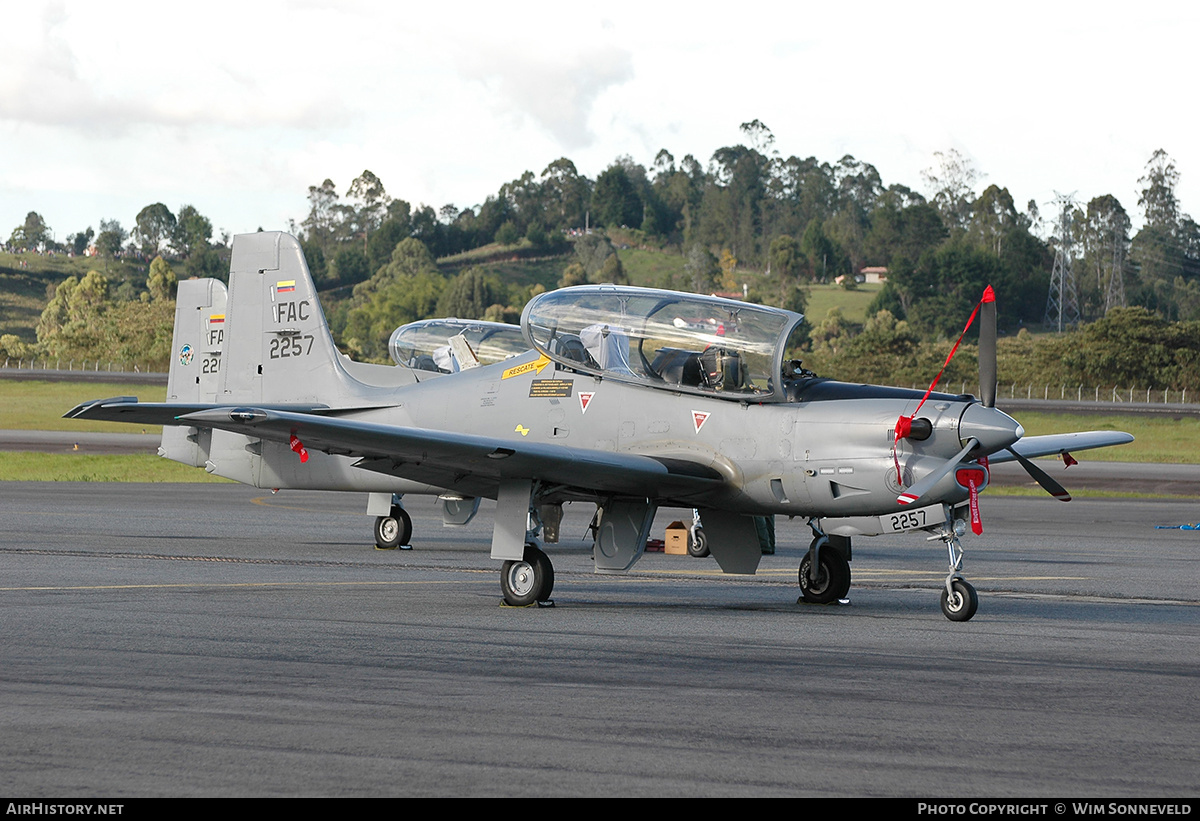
959 599
824 572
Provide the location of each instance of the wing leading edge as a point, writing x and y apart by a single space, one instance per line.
129 409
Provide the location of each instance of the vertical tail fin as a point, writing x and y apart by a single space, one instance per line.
196 354
279 348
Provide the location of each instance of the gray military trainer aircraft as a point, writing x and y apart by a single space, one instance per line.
627 398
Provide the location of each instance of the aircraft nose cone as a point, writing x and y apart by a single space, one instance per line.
995 430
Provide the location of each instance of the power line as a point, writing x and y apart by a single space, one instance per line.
1062 304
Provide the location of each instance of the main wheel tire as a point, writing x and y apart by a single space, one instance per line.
833 577
962 604
529 580
393 530
698 544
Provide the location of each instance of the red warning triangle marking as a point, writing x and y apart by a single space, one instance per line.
585 399
699 418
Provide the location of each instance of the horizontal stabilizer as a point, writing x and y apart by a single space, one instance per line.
129 409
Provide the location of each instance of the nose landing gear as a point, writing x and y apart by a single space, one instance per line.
959 599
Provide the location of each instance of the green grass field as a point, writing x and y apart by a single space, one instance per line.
1159 440
18 466
33 405
821 298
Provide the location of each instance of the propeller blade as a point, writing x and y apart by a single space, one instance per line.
1042 478
987 349
917 491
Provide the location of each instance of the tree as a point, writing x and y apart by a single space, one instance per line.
572 275
1165 251
350 265
679 194
700 266
728 265
404 290
508 234
615 201
155 225
952 185
32 234
731 214
470 294
858 184
412 257
78 243
161 281
992 217
72 322
786 261
899 235
524 198
824 257
940 291
383 241
1158 201
592 251
192 232
760 137
612 271
110 239
367 191
565 195
321 224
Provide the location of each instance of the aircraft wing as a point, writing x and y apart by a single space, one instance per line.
1033 446
467 462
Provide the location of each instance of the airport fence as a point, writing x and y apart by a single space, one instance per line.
80 366
1097 394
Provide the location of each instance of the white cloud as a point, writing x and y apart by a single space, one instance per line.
239 107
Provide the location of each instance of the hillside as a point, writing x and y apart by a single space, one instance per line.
26 281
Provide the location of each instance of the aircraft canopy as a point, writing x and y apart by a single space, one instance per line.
682 342
425 345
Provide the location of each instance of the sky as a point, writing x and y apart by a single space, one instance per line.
237 108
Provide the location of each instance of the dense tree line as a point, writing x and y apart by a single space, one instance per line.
1128 348
187 238
786 221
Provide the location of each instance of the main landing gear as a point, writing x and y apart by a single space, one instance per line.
393 530
528 581
824 571
959 599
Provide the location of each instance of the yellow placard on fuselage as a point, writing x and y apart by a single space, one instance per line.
536 365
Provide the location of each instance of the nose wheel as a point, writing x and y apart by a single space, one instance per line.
959 599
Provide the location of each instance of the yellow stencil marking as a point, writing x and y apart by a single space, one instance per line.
536 365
